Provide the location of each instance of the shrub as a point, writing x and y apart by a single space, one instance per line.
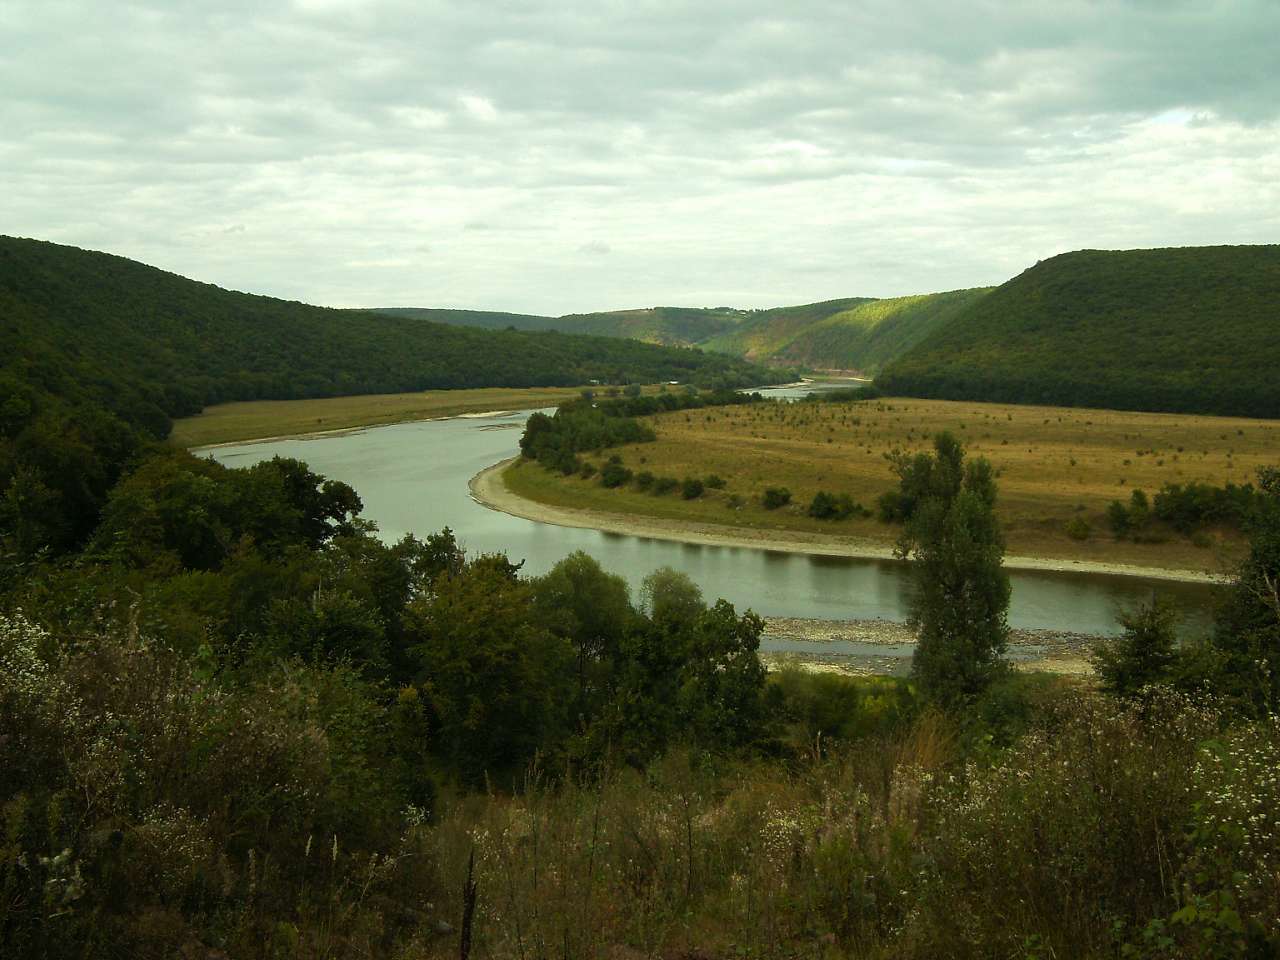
664 485
614 474
644 480
714 482
775 497
1078 528
587 470
826 506
691 489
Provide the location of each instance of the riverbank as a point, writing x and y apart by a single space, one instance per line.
871 647
489 488
261 421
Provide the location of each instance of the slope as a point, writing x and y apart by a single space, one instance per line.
149 345
671 326
862 337
1193 329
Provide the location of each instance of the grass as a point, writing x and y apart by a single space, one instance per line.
228 422
1054 464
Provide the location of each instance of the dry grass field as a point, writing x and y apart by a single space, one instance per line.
1053 464
228 422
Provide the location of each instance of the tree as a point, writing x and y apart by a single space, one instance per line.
1143 654
1246 634
592 610
954 544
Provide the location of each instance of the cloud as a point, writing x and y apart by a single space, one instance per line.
733 152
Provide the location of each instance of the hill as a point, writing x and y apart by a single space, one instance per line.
670 326
856 334
1193 329
150 345
98 353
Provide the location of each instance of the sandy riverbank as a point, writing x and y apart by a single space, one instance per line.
489 489
1055 651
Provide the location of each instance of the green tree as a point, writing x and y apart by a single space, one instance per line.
954 544
1143 654
592 610
497 681
1246 633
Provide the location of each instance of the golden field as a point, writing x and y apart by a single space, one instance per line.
1053 464
229 422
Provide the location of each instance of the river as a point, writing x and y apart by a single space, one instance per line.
413 478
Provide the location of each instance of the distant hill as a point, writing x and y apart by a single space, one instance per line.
856 334
853 333
1193 329
149 345
671 326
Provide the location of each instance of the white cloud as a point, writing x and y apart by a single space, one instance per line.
732 151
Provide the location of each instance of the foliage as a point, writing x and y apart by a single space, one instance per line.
828 506
775 497
961 592
1181 330
584 425
1247 629
1143 654
692 488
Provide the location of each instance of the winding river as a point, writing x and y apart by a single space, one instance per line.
413 478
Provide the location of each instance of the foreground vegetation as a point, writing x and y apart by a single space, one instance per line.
239 724
1187 330
1059 471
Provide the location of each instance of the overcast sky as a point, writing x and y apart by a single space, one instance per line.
567 155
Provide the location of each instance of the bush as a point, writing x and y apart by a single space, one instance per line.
614 474
714 482
1078 528
826 506
664 485
691 489
775 497
644 480
587 470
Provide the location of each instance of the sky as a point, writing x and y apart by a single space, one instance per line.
573 155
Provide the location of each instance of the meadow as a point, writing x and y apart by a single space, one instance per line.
1054 465
254 419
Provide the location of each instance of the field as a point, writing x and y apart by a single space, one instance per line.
1054 464
229 422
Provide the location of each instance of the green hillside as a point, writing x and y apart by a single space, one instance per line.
150 344
862 336
671 326
766 331
97 353
485 319
1194 329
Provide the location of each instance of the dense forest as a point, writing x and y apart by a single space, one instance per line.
1183 330
97 353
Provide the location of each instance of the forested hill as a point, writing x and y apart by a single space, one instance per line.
671 326
150 345
856 334
1193 329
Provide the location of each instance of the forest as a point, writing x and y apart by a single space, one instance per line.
97 353
1182 330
